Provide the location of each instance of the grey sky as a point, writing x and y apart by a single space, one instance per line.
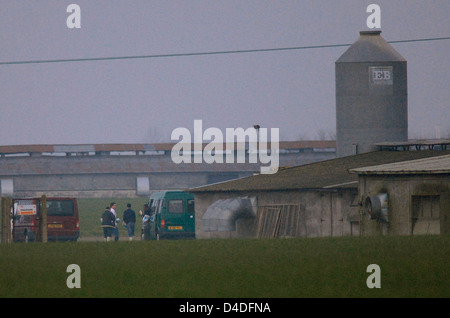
143 100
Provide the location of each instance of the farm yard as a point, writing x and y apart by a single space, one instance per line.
347 197
91 210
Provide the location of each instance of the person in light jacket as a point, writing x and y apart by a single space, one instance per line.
115 230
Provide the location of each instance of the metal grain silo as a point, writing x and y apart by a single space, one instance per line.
371 95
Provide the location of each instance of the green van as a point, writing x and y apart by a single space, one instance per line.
174 214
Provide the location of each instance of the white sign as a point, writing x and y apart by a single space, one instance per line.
381 75
26 209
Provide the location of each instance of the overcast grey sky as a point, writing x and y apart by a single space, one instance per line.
143 100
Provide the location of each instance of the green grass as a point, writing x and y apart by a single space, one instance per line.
314 267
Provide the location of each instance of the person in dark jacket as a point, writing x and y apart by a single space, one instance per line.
129 220
108 223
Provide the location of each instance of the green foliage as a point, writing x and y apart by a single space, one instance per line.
308 267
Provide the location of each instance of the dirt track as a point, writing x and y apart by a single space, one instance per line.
100 239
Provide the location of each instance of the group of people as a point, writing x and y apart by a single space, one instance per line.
109 222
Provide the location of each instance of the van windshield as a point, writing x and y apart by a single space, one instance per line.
60 208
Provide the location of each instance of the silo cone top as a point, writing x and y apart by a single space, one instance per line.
370 47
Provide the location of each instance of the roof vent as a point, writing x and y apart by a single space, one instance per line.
374 32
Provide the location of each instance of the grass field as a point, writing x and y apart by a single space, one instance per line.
314 267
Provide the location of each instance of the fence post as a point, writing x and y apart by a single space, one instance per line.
43 217
6 220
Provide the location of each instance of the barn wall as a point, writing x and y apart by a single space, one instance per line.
287 213
407 195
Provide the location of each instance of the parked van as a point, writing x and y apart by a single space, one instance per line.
62 219
174 214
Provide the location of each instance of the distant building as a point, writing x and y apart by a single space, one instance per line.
126 170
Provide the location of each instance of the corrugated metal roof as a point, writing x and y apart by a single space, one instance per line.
327 174
26 149
435 165
74 148
78 165
415 143
119 147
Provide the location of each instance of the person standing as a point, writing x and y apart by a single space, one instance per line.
108 221
149 223
115 230
129 219
146 210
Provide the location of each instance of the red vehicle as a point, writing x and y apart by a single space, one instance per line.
62 219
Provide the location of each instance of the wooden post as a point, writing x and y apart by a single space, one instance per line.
43 217
6 220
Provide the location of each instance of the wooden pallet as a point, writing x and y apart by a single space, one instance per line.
278 221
